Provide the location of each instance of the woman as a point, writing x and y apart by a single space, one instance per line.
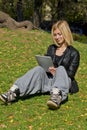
58 81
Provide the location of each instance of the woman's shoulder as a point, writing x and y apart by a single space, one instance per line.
73 50
52 46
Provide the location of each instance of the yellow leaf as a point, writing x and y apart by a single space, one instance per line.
11 120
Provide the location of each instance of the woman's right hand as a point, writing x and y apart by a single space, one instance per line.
52 70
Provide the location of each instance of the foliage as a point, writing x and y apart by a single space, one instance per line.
76 12
28 10
17 51
72 10
10 7
80 38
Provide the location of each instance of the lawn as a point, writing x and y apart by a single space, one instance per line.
17 51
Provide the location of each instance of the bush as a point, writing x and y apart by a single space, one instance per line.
80 38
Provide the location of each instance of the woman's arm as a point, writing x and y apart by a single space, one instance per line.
75 59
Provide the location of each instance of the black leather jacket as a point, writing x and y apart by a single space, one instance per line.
70 60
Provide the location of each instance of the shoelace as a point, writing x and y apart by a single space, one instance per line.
10 95
56 97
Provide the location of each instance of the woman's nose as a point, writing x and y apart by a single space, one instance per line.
57 36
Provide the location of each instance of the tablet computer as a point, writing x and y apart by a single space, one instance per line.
44 61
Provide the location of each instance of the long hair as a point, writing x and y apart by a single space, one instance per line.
64 28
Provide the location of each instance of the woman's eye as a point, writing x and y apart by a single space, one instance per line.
59 34
55 35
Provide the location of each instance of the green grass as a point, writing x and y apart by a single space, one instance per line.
17 50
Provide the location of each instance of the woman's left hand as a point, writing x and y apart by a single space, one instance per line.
52 70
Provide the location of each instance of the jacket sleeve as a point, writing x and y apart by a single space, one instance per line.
75 59
50 50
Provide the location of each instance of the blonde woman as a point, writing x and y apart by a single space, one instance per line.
59 80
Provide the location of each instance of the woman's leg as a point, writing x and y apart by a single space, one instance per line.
62 81
60 88
34 81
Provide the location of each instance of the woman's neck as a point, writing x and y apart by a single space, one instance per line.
61 50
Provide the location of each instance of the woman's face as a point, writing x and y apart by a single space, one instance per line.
58 37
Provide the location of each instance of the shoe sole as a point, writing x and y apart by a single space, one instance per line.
4 101
1 98
52 105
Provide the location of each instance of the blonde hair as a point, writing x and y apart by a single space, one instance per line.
63 26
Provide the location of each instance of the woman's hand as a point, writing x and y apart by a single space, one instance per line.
52 70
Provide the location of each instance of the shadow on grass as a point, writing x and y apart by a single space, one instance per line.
31 96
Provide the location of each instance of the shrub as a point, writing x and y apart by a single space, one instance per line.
80 38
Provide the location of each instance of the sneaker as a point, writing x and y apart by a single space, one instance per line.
8 97
55 100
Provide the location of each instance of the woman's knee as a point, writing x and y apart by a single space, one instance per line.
39 69
61 68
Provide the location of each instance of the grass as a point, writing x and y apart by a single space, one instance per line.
17 50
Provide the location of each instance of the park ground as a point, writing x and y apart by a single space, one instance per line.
17 51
